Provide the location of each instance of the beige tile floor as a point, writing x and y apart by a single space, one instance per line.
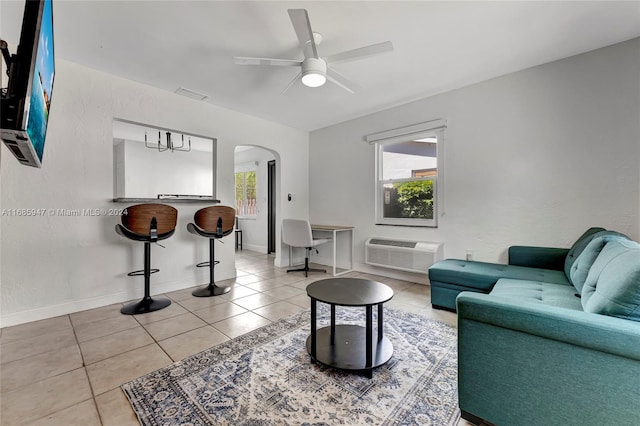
68 370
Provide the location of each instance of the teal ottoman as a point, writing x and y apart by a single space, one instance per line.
450 277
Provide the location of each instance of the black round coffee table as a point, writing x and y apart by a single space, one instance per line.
347 346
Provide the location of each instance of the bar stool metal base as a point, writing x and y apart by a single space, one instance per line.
210 290
147 304
144 306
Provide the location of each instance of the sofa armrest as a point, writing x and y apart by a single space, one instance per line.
523 363
538 257
603 333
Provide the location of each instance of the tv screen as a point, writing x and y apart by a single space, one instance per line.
25 106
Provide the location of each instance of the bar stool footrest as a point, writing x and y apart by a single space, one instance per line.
141 272
206 264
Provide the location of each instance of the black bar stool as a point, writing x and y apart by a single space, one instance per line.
148 223
213 223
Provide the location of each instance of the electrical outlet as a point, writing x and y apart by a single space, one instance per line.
469 254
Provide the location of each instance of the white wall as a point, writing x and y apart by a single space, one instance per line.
254 230
52 264
535 157
149 172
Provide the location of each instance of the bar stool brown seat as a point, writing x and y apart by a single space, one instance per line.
214 223
147 223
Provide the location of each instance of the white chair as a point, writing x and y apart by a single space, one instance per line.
297 233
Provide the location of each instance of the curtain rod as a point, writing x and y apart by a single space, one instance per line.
407 130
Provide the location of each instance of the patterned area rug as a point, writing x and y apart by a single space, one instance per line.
266 378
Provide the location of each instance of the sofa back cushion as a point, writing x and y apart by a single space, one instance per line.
612 286
583 262
577 248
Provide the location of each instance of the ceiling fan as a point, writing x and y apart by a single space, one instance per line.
315 71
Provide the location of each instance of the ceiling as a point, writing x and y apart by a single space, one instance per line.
438 46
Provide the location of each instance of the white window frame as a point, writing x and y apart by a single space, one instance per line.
244 168
419 131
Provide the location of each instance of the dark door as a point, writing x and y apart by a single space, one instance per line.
271 206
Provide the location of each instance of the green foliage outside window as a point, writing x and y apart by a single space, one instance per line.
250 183
239 186
415 199
246 193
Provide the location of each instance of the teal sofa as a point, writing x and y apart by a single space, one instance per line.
450 277
547 351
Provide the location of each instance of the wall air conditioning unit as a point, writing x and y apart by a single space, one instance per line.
404 255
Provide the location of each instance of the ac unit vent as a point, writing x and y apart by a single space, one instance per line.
394 243
404 255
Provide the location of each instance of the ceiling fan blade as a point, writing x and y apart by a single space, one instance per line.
340 80
361 52
245 60
291 83
300 20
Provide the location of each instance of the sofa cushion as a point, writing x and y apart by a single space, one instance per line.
582 263
538 292
577 248
482 276
612 286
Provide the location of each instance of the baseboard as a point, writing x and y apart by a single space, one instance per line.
253 247
280 262
46 312
74 306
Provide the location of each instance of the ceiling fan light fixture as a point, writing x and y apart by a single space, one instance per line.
314 72
313 80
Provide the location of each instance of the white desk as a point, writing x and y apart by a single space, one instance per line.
334 230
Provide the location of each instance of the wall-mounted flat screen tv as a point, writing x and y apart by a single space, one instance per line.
26 102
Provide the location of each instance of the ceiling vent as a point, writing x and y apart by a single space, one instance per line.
191 94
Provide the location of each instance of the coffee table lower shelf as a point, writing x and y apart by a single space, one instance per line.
349 349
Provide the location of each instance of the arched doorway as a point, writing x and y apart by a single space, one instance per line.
256 189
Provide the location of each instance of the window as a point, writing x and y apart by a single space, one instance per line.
246 193
407 179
